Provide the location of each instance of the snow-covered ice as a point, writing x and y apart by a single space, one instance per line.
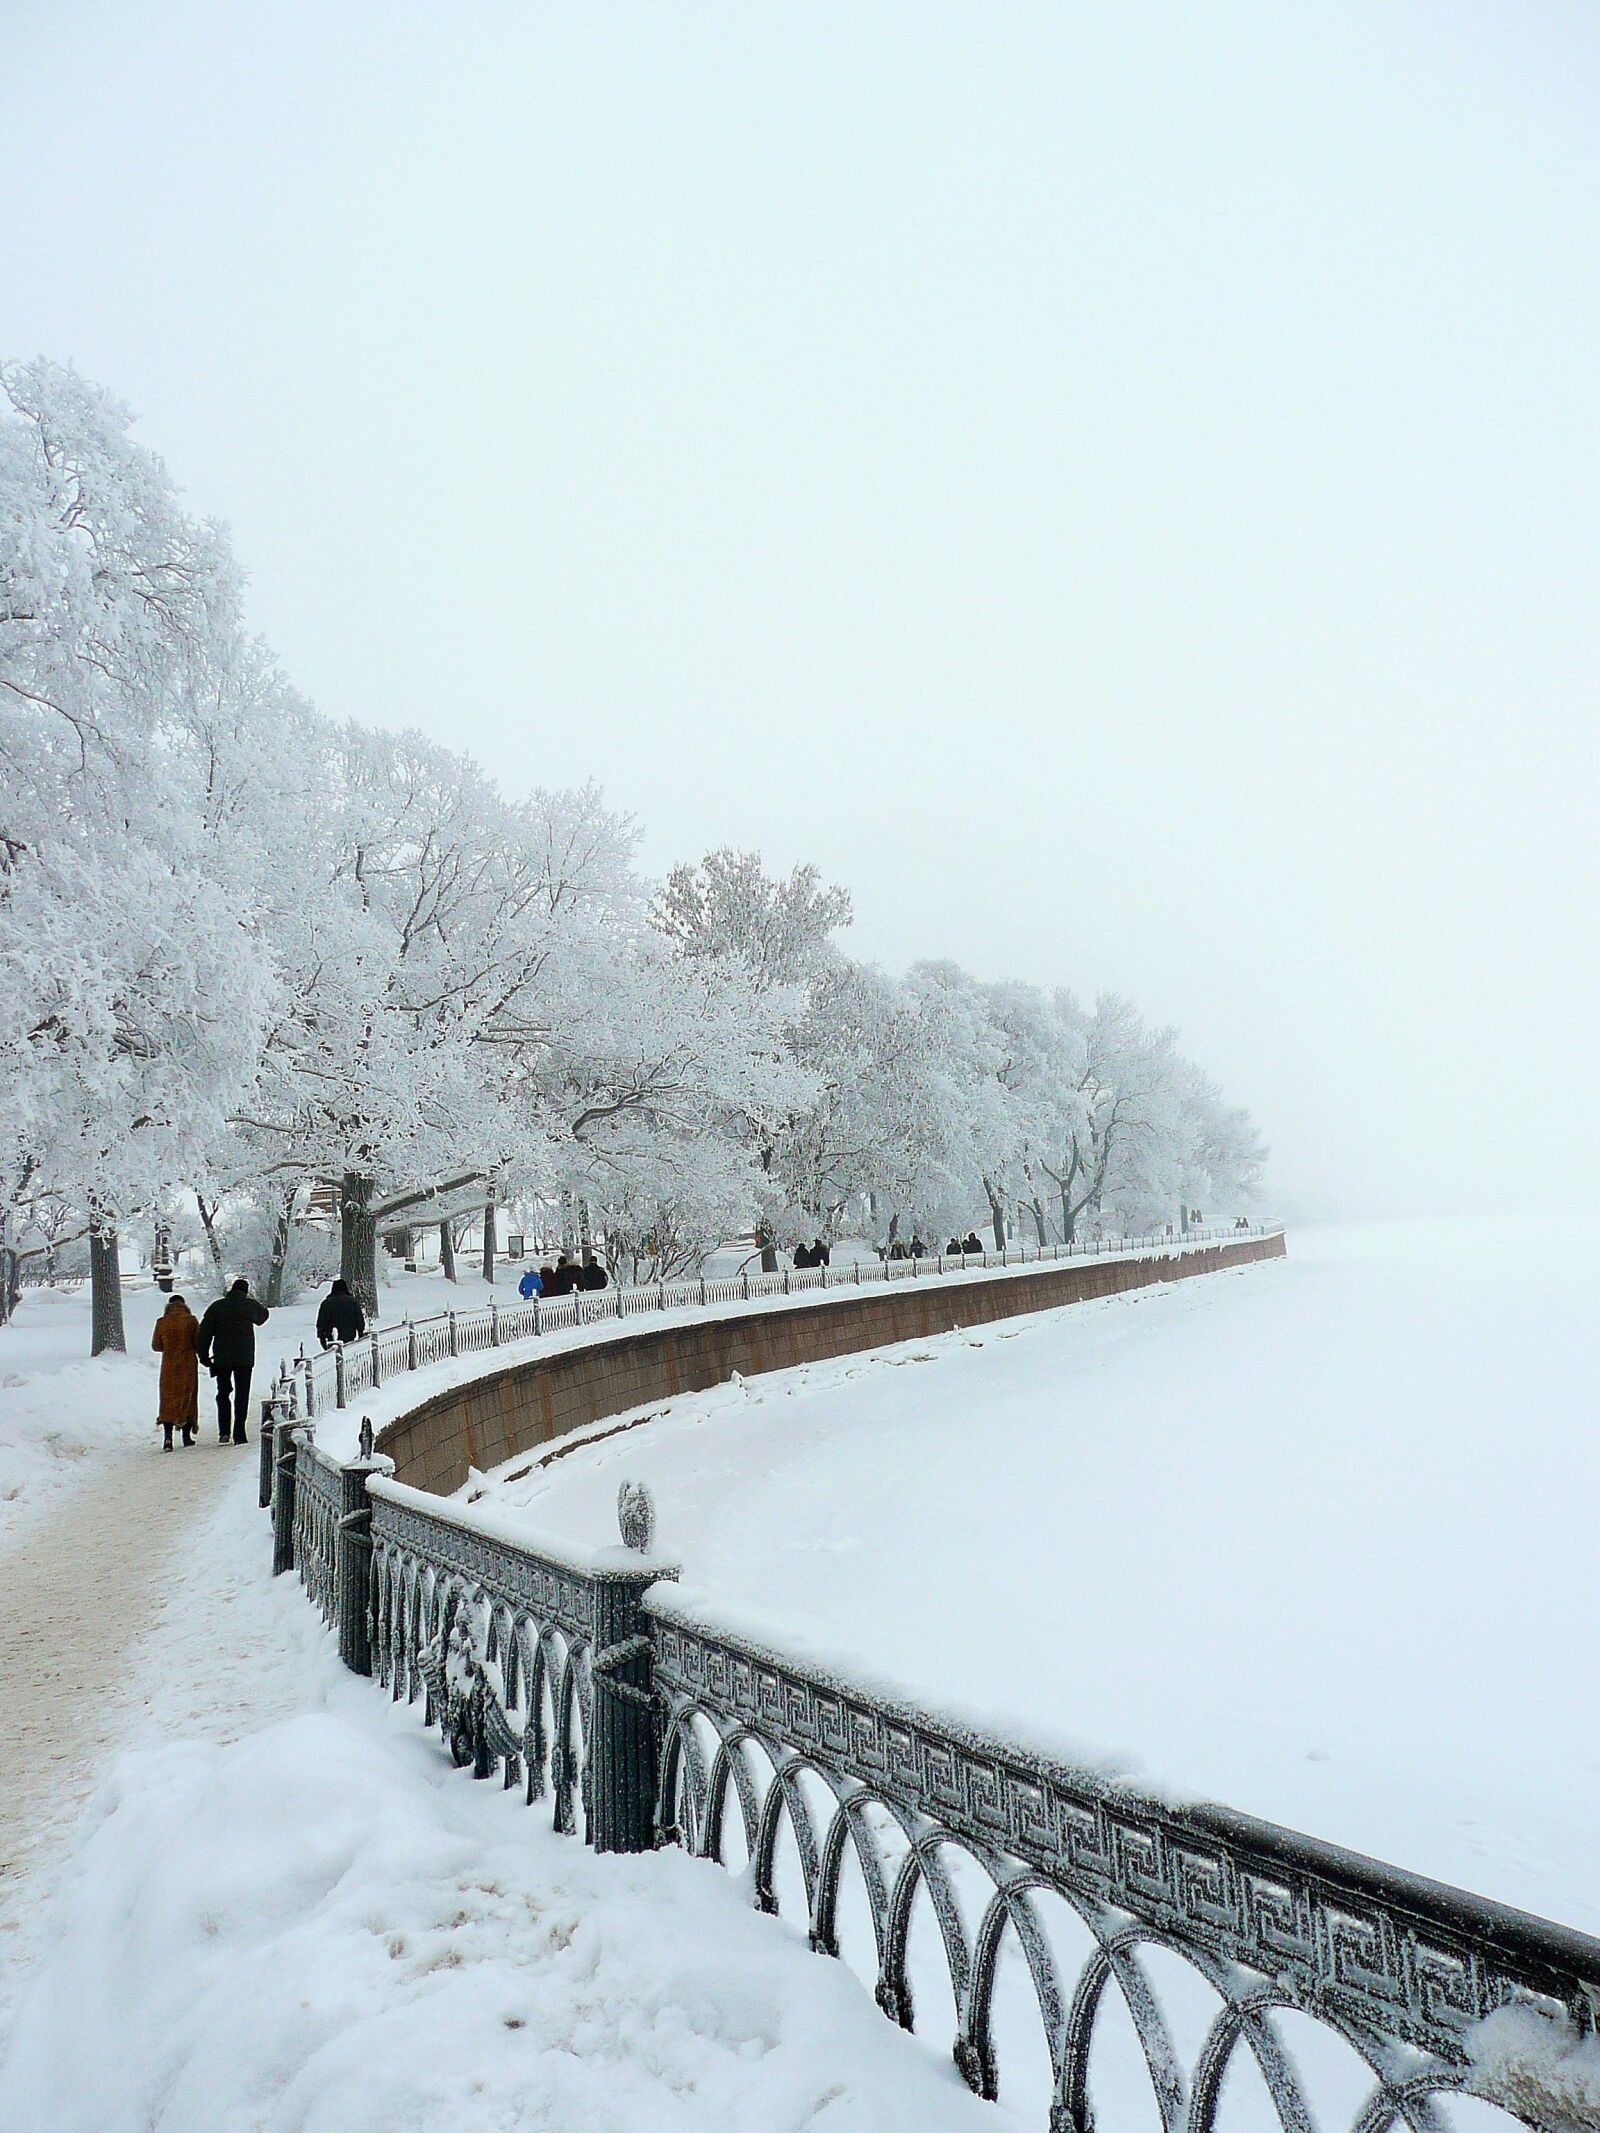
1313 1538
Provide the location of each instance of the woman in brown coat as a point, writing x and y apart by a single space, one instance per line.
177 1331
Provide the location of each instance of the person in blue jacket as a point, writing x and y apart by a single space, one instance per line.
530 1285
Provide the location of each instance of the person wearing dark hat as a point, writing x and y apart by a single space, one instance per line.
227 1347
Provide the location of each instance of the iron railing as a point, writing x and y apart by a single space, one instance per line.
1085 1881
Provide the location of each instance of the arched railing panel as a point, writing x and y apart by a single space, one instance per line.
1164 1956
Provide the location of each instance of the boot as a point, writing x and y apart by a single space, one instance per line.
188 1435
166 1436
239 1436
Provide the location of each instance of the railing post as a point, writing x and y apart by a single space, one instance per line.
661 1292
285 1450
538 1316
621 1775
266 1439
377 1360
411 1342
786 1281
744 1276
702 1288
619 1299
338 1371
353 1556
451 1316
494 1323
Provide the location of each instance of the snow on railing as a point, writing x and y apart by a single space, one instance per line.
311 1385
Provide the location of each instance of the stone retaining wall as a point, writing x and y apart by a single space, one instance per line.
539 1397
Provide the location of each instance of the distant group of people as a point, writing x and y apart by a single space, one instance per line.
224 1341
563 1278
816 1253
959 1245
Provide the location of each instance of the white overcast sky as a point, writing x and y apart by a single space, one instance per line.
1114 484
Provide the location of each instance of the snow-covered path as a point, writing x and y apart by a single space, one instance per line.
284 1911
79 1592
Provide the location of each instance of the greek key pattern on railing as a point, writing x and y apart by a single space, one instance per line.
313 1385
316 1526
1269 1922
497 1639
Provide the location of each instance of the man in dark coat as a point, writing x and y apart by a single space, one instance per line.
227 1347
803 1257
340 1314
591 1275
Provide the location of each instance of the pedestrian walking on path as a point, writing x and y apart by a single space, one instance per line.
228 1349
339 1314
176 1340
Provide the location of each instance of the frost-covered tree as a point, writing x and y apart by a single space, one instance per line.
129 1005
245 950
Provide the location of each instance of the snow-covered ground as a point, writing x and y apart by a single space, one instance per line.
62 1414
285 1909
1314 1538
1309 1537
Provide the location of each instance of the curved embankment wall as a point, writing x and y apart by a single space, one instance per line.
527 1403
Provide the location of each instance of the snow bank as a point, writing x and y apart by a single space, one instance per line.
312 1928
288 1910
60 1413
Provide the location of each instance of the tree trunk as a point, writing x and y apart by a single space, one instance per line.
447 1250
105 1290
769 1249
358 1239
997 1215
208 1224
277 1265
10 1271
1037 1211
1069 1222
489 1237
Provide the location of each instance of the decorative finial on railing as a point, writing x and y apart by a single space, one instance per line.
366 1436
636 1517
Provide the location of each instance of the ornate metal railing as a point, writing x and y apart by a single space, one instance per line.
1218 1943
1398 1969
312 1385
318 1507
528 1660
